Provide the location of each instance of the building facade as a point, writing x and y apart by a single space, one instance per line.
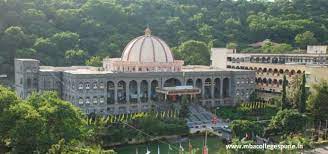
146 76
271 68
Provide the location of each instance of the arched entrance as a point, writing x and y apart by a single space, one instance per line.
144 91
208 83
133 91
172 82
121 92
199 84
226 87
189 82
110 92
217 88
153 94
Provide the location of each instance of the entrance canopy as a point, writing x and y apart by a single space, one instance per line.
179 90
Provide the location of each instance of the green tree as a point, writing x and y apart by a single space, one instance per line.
75 57
46 51
7 98
94 61
294 91
63 147
317 102
305 39
286 122
232 45
65 40
240 128
184 111
282 48
303 95
39 122
284 101
12 39
194 53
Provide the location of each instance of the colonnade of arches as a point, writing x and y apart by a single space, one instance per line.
271 71
277 59
143 91
269 81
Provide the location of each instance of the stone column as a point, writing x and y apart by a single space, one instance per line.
115 92
221 87
203 88
212 88
149 90
230 87
138 89
127 90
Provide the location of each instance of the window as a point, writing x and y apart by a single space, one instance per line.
101 85
95 100
80 100
95 86
87 100
87 86
102 100
80 85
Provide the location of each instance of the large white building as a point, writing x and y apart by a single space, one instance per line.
145 76
270 68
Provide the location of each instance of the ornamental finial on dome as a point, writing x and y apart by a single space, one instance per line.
147 31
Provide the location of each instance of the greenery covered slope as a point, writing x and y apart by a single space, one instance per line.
69 32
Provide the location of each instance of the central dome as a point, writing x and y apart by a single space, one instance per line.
147 49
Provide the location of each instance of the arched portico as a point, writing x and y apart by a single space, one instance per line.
144 91
172 82
226 87
110 92
133 91
121 92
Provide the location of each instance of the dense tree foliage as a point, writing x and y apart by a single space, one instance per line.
245 128
304 39
193 52
284 101
248 111
303 95
76 147
317 102
39 123
286 122
184 110
48 29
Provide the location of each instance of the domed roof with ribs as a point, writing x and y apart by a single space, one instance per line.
147 49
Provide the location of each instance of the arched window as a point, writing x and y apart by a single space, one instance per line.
95 86
80 85
95 99
87 85
80 100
